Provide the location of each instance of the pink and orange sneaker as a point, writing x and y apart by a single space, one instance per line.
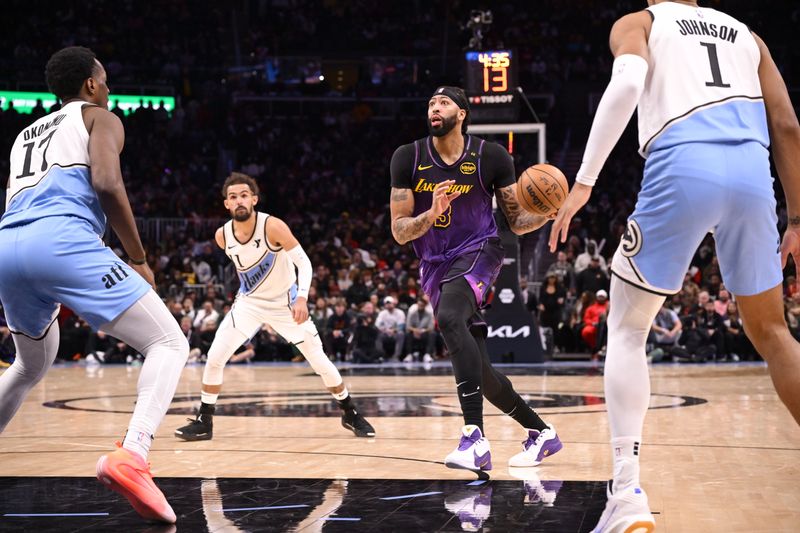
128 474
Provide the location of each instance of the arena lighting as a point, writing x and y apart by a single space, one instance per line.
24 102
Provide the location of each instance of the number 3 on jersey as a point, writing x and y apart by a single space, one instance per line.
443 220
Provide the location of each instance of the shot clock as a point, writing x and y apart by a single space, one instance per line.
491 85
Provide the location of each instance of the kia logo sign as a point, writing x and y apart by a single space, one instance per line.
508 332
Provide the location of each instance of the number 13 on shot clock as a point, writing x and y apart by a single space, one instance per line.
491 83
490 72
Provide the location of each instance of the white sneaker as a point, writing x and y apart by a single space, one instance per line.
471 507
427 358
626 512
537 492
472 453
537 447
409 358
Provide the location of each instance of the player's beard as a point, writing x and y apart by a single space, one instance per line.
448 123
241 215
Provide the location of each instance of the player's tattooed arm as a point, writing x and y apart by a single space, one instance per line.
406 227
519 220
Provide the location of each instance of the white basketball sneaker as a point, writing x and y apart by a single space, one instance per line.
626 511
537 447
472 453
471 507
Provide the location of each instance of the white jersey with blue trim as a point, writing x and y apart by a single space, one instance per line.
265 270
703 84
50 173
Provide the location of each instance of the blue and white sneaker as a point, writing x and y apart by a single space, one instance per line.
537 447
626 511
473 452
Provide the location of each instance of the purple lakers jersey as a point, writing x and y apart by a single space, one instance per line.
468 221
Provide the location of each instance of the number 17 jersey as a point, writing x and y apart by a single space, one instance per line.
50 172
702 85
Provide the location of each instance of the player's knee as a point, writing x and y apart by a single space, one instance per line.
182 348
324 368
768 337
216 357
450 321
175 341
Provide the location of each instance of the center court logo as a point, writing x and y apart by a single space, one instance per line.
468 168
299 404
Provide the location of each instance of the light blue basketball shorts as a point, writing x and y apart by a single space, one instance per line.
696 188
61 260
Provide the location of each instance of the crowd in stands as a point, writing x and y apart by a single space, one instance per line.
327 176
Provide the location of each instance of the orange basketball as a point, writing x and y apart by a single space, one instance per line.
542 189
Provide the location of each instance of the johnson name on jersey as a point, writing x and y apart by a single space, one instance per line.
702 85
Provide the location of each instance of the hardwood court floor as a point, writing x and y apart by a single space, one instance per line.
720 452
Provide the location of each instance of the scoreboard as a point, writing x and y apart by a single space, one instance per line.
491 85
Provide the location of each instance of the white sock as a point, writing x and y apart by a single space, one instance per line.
207 397
625 451
342 395
138 442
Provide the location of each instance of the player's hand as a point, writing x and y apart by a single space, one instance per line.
300 310
577 198
790 245
145 271
441 200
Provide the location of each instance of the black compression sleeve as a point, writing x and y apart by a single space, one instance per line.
402 166
497 167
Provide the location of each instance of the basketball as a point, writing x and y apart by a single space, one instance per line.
542 189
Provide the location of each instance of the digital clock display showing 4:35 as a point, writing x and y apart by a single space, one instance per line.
490 72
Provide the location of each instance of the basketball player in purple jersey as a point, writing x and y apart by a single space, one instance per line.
441 201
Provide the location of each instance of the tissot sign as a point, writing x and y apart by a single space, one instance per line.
512 330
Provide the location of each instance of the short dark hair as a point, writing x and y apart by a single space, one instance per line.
67 69
239 178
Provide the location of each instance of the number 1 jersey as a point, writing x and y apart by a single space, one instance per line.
702 85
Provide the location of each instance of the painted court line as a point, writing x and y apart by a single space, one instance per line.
268 508
34 515
411 495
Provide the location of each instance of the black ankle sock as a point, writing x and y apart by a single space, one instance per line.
472 407
207 408
526 416
346 404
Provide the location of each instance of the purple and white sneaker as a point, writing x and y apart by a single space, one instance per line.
471 507
537 447
473 452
